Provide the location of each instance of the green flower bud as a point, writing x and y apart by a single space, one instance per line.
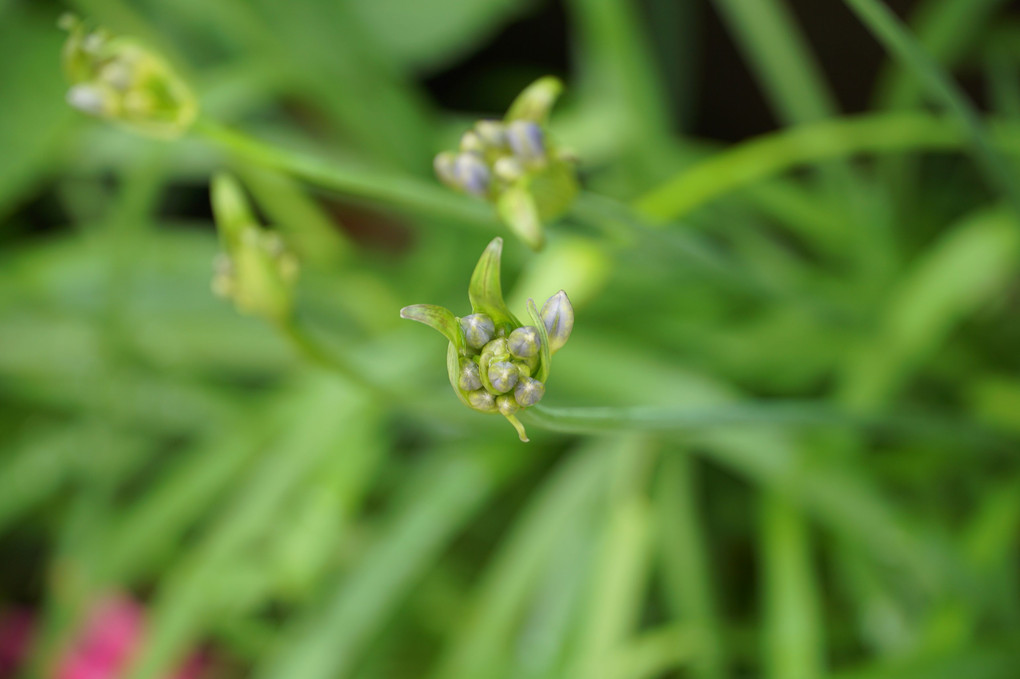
503 376
445 165
471 142
558 317
506 405
478 330
508 169
524 342
469 380
482 400
491 132
528 392
256 271
120 80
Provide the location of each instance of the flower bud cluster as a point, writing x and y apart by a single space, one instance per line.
513 164
493 156
119 79
496 368
497 364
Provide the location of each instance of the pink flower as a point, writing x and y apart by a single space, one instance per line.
112 633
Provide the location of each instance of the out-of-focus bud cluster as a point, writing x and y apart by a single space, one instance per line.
119 79
255 269
515 165
496 364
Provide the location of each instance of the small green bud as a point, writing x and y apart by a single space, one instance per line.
121 80
507 405
482 400
528 392
503 376
508 169
496 350
478 330
491 132
469 380
471 142
524 342
558 316
256 271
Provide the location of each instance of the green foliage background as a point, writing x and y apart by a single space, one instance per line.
823 323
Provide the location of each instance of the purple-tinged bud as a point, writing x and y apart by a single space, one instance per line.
558 316
482 400
472 173
469 379
503 376
524 342
478 330
526 140
507 405
529 391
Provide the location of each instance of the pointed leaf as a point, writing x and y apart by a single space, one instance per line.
535 102
453 368
440 318
545 355
485 290
231 209
518 210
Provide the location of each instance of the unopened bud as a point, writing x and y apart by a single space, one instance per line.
526 140
508 169
472 173
503 376
469 379
445 165
524 342
88 99
558 316
470 142
507 405
491 132
478 330
529 391
482 400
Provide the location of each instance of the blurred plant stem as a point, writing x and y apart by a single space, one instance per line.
316 352
399 190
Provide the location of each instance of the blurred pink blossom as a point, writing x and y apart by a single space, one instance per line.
112 633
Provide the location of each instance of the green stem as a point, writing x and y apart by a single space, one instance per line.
778 152
699 419
397 190
317 353
896 38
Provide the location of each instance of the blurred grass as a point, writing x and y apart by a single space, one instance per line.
781 442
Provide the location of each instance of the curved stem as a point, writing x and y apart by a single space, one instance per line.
778 152
397 190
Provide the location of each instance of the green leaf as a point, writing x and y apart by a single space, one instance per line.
453 368
535 102
517 209
545 358
231 209
440 318
485 290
